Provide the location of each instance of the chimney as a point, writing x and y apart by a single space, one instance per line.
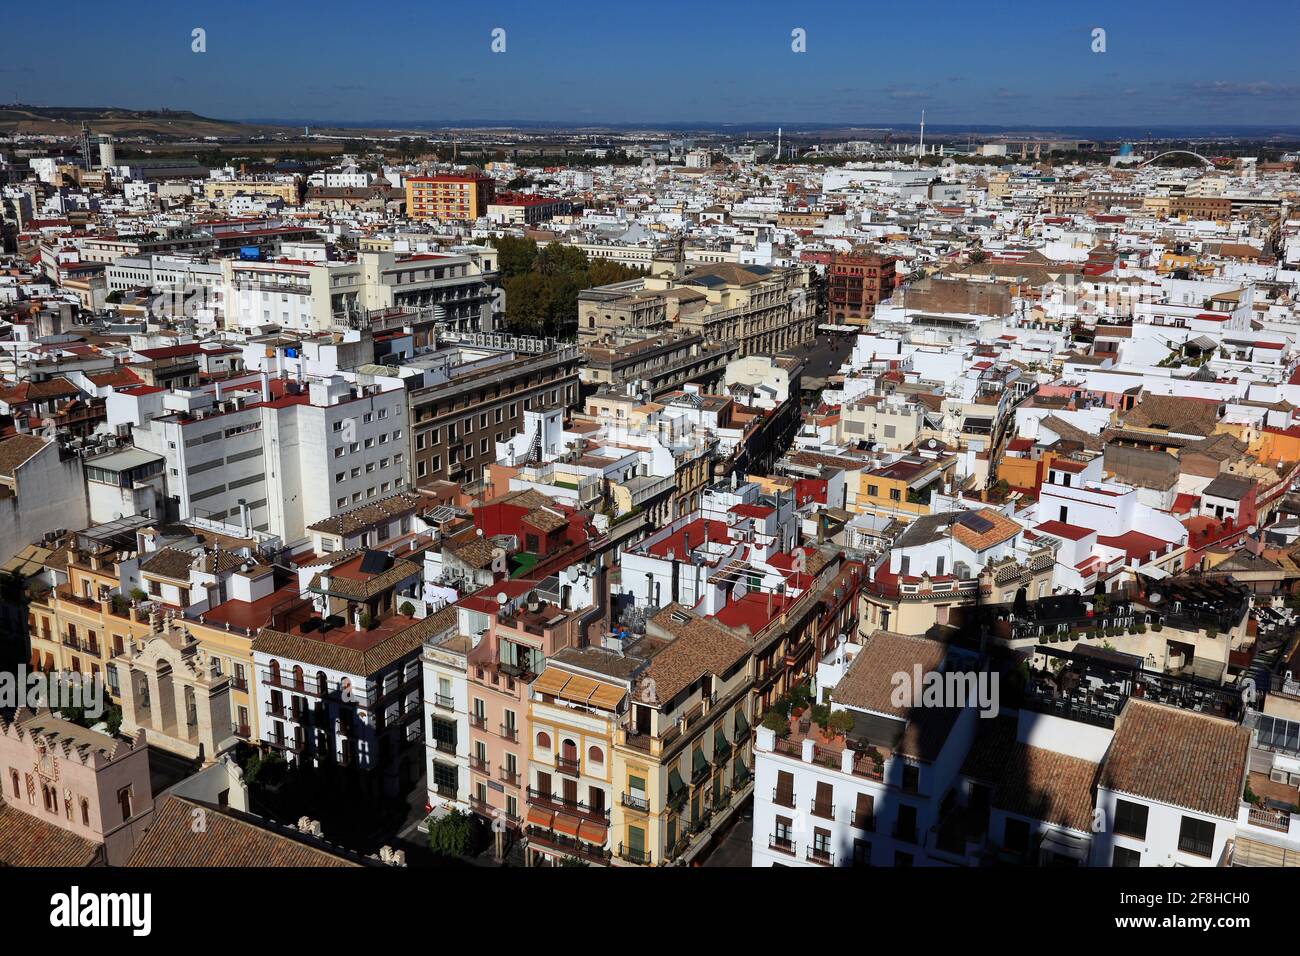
266 386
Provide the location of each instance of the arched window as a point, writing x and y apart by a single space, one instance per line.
543 740
322 685
13 778
595 755
85 812
569 750
275 672
297 677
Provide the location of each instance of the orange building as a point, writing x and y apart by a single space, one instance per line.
449 197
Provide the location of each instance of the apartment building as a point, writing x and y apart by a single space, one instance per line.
681 757
447 712
522 634
338 677
855 282
449 196
292 452
475 395
458 288
88 617
764 310
574 709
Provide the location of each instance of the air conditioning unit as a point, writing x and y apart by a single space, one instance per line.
1278 776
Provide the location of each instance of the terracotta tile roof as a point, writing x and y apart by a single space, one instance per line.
17 450
477 554
230 840
27 840
1177 757
1001 529
361 589
370 514
1031 781
169 563
1174 413
546 520
700 646
868 682
362 661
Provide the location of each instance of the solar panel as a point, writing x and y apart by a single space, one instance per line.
976 522
376 562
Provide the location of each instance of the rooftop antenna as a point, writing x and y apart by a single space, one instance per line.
920 149
778 144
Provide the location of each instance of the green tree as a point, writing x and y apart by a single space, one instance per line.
452 835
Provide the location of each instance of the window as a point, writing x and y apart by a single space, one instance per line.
543 741
595 755
1196 837
1015 837
124 802
784 795
864 814
861 853
1124 857
1131 819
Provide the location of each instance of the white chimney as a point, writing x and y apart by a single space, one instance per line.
266 386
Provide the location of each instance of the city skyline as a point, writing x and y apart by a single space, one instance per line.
602 65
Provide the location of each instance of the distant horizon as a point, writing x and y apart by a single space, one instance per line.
1114 64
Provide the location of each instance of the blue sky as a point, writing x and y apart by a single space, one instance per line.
992 62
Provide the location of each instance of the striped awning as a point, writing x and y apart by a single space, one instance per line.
566 824
593 833
540 817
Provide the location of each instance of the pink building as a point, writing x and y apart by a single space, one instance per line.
84 782
521 635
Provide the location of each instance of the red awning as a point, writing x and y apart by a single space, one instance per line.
566 824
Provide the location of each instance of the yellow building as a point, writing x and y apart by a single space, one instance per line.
84 622
573 712
227 188
682 758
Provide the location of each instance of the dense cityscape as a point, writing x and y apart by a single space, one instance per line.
501 496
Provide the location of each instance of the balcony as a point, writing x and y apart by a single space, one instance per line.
551 802
446 790
444 703
444 746
508 733
478 721
824 810
783 799
508 776
550 840
1195 846
480 765
567 765
638 855
820 855
782 844
634 802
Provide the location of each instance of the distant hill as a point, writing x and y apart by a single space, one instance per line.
67 120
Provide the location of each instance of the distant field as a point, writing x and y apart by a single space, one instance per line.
67 120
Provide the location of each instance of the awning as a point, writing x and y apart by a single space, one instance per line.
720 744
738 770
698 762
1065 844
742 725
675 782
1156 573
592 833
566 824
539 817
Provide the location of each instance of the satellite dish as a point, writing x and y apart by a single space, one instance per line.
501 598
931 443
1252 529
